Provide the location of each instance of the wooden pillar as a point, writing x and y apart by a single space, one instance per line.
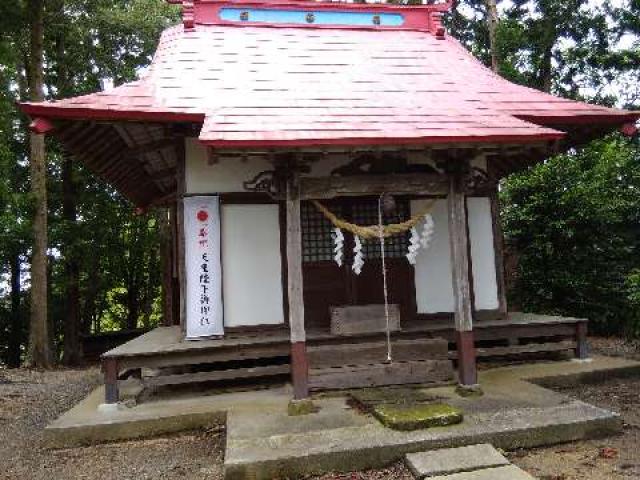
166 260
459 245
180 238
498 247
299 364
175 286
110 371
582 348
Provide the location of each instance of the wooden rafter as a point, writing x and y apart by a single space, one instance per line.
357 185
150 147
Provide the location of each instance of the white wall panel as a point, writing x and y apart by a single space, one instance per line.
483 257
251 265
434 293
227 175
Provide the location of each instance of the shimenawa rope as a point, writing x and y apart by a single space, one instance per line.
373 231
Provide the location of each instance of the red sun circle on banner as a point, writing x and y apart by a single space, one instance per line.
202 215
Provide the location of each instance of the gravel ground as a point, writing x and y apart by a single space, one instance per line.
30 399
612 458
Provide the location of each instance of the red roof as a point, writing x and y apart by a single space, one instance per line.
284 84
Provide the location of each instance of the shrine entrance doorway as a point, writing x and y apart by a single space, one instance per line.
327 285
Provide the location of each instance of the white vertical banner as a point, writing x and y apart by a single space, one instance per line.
202 267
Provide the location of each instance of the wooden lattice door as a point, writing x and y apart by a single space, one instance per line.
326 284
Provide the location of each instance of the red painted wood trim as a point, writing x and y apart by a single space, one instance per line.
334 6
581 119
299 370
467 369
110 370
582 347
629 129
41 125
50 110
383 141
417 18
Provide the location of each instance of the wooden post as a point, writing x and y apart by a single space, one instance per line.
582 348
299 364
110 371
498 247
166 261
459 244
180 239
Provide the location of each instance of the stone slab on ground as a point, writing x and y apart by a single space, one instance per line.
374 446
446 461
514 413
367 398
414 417
89 422
509 472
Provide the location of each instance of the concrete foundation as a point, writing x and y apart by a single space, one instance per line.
264 441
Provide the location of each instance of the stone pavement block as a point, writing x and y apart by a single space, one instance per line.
509 472
454 460
417 416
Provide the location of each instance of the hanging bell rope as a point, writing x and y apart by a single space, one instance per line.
384 278
373 231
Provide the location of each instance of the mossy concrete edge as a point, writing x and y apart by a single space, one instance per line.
379 455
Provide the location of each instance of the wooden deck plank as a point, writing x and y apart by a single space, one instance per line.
167 340
217 375
520 349
196 357
398 373
322 356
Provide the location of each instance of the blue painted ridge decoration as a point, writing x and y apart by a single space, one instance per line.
310 17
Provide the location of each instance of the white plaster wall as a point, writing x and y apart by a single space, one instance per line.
228 174
224 176
434 293
483 259
251 265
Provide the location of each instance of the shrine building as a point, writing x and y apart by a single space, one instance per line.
330 171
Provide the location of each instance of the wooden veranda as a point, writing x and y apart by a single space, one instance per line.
265 353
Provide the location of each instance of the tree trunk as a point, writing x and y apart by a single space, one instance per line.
72 354
15 329
492 24
72 348
40 354
546 69
166 259
133 307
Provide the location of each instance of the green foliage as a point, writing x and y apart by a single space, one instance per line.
574 219
575 223
633 296
86 41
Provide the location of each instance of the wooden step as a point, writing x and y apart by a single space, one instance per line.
521 349
367 353
217 375
375 375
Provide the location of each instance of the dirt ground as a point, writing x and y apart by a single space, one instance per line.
31 399
612 458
